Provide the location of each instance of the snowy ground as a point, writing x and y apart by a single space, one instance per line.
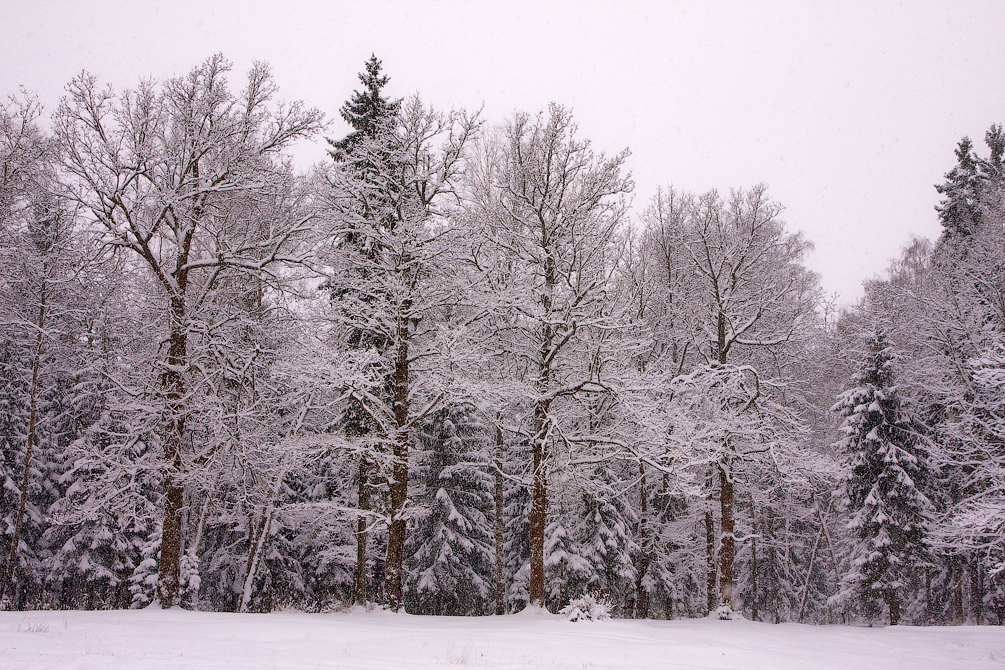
141 640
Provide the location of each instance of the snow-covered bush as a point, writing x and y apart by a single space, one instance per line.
587 608
724 613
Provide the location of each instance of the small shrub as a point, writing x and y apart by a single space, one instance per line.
587 608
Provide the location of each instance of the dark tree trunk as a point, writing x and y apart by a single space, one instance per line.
645 544
398 488
539 489
538 507
894 604
976 590
363 503
499 504
727 549
169 571
753 563
710 559
956 563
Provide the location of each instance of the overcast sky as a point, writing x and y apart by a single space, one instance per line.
849 112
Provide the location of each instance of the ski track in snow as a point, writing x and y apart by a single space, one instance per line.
154 639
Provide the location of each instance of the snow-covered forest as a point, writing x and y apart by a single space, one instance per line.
452 369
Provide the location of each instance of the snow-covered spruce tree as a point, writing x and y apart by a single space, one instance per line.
959 210
942 304
391 275
965 320
886 472
963 209
515 532
29 267
107 509
606 538
450 555
359 156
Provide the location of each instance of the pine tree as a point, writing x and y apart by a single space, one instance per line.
883 485
368 111
360 158
958 210
605 536
968 184
451 558
390 271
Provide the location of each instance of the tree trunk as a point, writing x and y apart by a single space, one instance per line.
36 363
809 574
255 549
956 563
169 569
539 489
727 549
641 594
363 503
830 549
753 562
399 473
894 604
976 590
499 503
710 559
538 506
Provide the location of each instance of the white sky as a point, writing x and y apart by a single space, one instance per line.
848 111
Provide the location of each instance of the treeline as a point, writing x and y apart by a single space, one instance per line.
446 371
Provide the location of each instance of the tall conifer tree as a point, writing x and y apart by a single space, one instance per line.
882 487
372 117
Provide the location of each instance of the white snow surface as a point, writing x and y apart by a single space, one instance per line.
147 639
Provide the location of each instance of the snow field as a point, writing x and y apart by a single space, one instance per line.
153 639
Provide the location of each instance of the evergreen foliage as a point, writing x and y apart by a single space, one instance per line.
887 472
449 568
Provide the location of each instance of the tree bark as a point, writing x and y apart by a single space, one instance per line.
363 503
809 574
538 507
500 507
976 590
255 549
710 559
399 473
539 490
727 548
36 363
641 594
753 562
169 568
894 604
957 565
